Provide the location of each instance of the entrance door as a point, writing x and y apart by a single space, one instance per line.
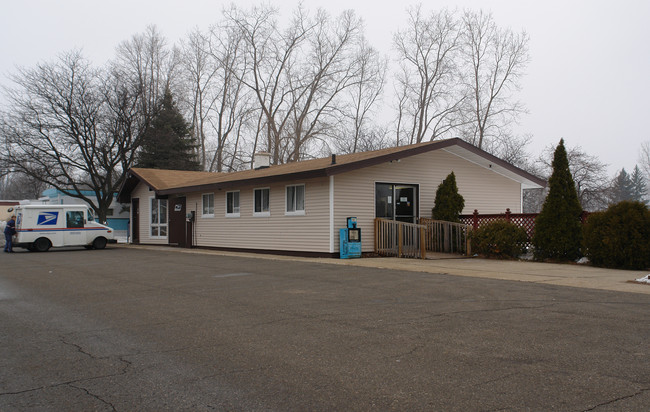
177 235
405 210
135 221
396 202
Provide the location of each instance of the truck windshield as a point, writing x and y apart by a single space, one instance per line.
91 217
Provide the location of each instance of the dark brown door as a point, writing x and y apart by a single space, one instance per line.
177 235
135 220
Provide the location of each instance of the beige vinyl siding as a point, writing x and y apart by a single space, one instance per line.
483 189
307 233
143 193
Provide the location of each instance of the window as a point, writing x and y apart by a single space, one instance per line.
74 219
208 205
295 200
232 204
158 217
262 202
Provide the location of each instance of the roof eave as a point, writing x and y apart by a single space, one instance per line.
231 184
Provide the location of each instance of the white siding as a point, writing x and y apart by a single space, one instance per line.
143 193
307 233
483 189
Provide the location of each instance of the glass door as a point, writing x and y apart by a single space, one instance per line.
405 210
396 202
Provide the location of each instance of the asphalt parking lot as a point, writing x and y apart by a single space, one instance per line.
140 329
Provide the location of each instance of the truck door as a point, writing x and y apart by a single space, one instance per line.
48 223
74 233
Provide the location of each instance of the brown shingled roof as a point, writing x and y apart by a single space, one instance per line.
166 182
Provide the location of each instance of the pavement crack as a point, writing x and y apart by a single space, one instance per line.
487 310
99 398
618 399
78 347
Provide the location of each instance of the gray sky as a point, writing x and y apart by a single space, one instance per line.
588 81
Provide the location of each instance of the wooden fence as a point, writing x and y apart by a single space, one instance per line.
400 239
525 220
447 237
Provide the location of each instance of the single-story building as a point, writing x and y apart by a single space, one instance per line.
299 207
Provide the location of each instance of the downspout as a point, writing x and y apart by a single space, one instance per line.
331 214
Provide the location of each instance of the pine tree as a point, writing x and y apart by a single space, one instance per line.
622 188
639 188
558 230
168 143
449 203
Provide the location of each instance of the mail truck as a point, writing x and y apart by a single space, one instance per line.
40 227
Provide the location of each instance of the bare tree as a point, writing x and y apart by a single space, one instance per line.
298 74
495 60
147 64
644 158
199 72
18 186
428 99
72 127
365 93
215 67
358 130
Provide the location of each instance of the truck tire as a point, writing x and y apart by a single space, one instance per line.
42 244
99 243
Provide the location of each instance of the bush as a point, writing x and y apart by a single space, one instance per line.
448 203
619 237
499 239
558 230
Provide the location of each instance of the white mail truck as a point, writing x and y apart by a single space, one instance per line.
40 227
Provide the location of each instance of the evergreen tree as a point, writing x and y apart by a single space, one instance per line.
168 143
622 188
639 188
558 230
449 203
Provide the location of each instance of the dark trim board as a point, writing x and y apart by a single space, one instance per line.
255 251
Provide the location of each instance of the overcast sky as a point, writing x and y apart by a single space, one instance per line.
588 81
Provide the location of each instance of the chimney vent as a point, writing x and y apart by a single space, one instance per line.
261 160
333 159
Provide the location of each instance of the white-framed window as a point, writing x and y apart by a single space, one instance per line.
232 204
158 218
208 205
295 200
261 206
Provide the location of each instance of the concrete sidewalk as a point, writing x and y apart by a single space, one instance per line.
573 275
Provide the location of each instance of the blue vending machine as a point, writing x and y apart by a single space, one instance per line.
350 240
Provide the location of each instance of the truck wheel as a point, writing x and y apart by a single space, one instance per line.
42 244
99 243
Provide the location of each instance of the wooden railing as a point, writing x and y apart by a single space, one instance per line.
400 239
447 237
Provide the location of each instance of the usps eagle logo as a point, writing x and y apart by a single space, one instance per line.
47 218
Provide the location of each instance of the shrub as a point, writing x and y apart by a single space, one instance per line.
558 230
448 203
619 237
499 239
